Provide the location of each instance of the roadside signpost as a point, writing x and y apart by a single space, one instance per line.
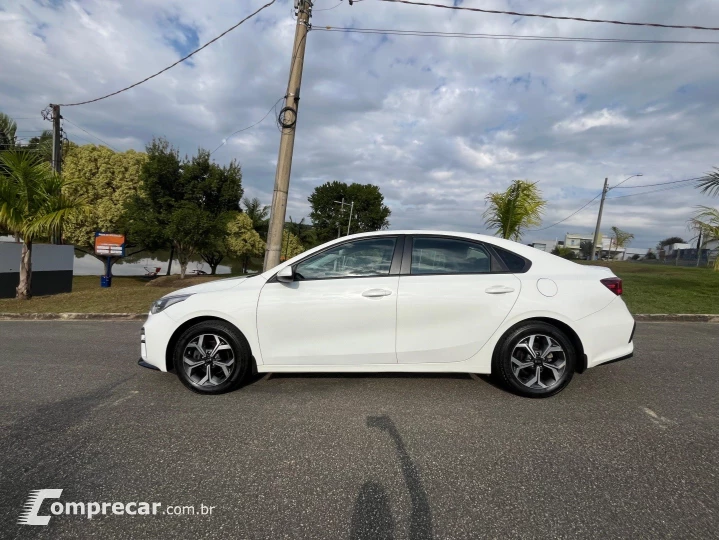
109 246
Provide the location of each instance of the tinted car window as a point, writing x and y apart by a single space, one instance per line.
448 256
363 258
513 262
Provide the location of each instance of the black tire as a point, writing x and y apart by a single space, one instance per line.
238 368
515 378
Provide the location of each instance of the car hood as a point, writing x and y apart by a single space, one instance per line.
210 286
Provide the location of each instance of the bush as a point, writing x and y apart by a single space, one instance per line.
635 257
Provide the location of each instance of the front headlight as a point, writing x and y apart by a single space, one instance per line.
164 303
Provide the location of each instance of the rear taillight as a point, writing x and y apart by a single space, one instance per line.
614 284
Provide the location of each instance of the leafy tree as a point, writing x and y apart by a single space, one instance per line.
709 184
619 239
200 191
258 214
190 227
651 255
669 241
110 180
368 214
564 252
34 202
291 245
242 240
586 248
707 221
512 211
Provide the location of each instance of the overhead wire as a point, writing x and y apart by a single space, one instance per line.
646 192
659 184
171 65
511 37
90 134
554 17
569 216
226 139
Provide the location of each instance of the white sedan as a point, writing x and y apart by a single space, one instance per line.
402 301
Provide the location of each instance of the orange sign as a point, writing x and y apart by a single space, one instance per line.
110 244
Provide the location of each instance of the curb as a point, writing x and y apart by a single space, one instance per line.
663 317
73 316
655 317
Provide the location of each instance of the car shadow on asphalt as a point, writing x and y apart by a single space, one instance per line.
372 514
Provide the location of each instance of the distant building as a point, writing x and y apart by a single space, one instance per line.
544 245
670 249
608 247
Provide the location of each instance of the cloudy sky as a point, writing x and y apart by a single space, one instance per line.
436 123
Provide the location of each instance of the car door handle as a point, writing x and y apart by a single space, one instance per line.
499 289
376 293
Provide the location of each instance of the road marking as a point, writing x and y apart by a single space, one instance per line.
657 420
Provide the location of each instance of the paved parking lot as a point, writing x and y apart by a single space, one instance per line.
629 450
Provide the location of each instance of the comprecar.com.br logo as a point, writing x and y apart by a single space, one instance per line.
30 513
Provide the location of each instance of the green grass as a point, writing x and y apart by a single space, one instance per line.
127 295
647 289
658 288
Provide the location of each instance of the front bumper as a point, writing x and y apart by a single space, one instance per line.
154 338
144 364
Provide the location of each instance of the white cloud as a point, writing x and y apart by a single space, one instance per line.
436 123
603 118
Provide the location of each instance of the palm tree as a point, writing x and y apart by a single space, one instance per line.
707 221
8 130
258 213
620 239
710 183
33 203
512 211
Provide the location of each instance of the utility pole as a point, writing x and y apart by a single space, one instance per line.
288 122
56 139
599 220
699 248
352 207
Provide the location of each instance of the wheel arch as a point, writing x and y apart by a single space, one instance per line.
169 364
581 366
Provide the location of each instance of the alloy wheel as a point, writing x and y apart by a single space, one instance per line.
208 360
538 361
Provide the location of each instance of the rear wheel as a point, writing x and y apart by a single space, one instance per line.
211 357
535 360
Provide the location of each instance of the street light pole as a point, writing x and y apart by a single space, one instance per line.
605 190
343 203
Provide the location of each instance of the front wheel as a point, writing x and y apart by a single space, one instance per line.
211 357
535 360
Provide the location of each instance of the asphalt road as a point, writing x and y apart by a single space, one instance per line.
629 450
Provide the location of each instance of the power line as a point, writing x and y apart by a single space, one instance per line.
90 134
328 9
569 216
556 17
659 184
248 127
172 65
464 35
646 192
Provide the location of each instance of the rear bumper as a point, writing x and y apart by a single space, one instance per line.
607 335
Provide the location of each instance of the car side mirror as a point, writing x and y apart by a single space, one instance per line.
286 275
